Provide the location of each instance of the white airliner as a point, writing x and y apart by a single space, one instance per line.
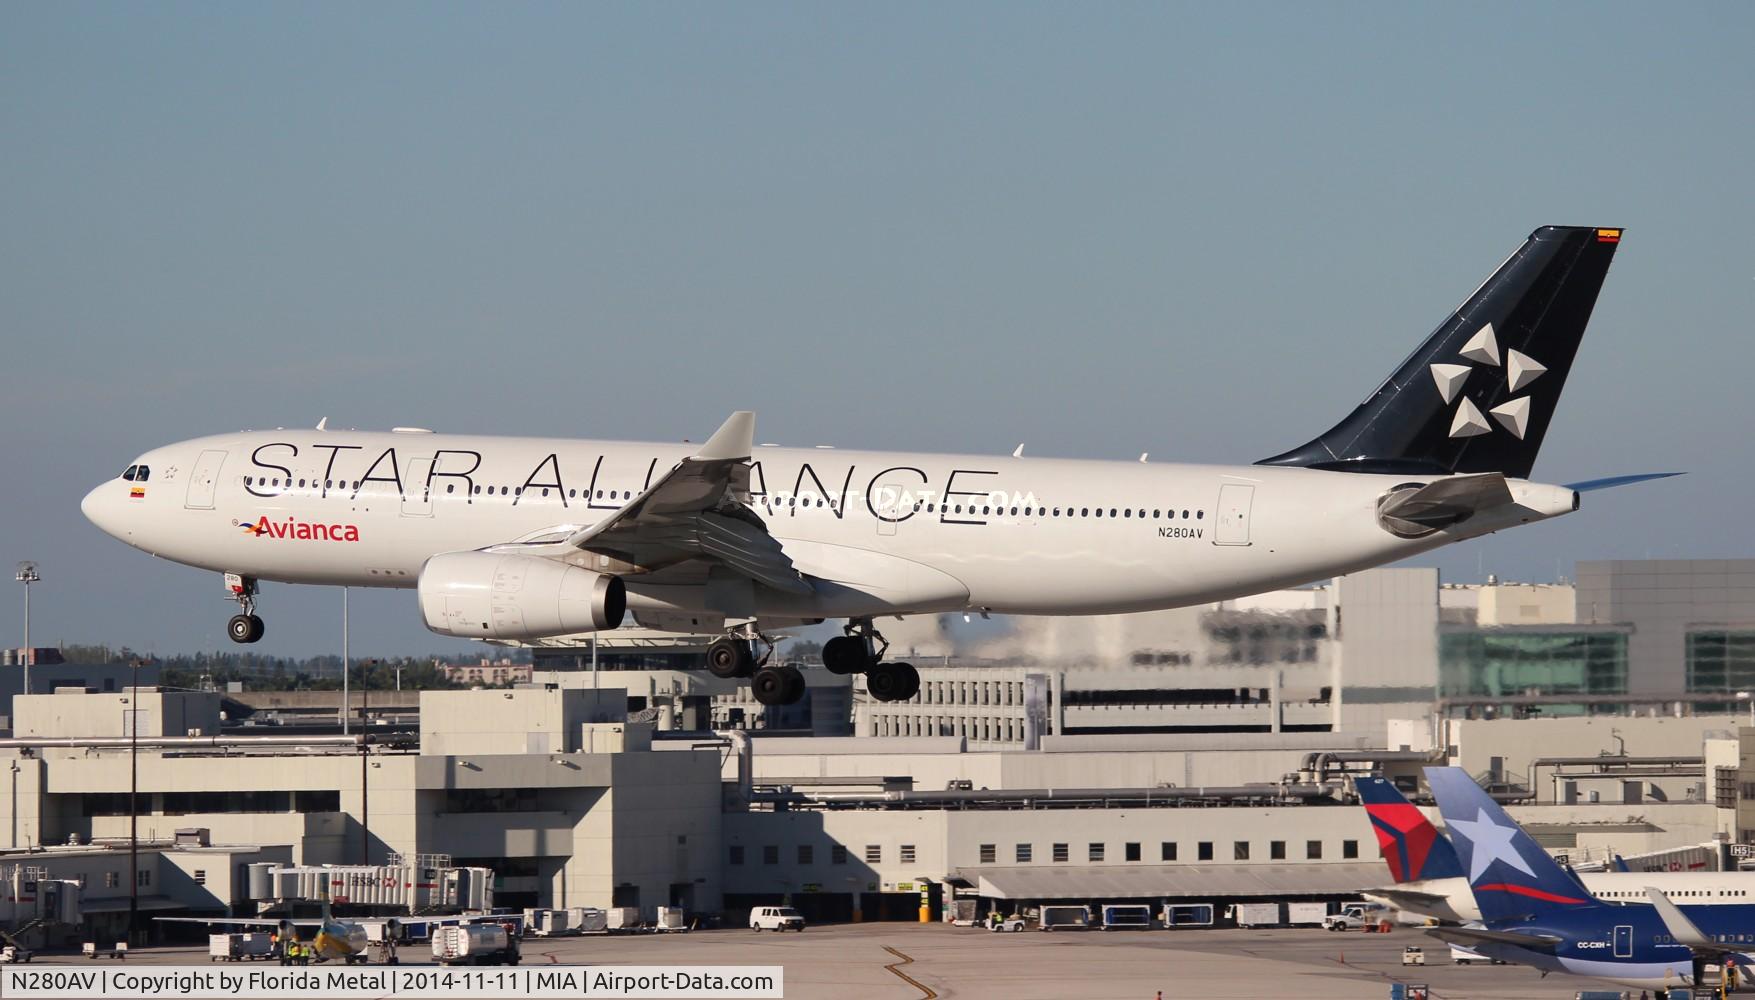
522 538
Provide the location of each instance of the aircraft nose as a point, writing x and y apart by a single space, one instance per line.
99 507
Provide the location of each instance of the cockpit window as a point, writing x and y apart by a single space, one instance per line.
129 475
140 473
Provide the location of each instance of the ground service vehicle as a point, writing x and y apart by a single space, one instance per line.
238 947
1127 917
1066 918
1188 915
1256 915
1351 918
776 918
475 944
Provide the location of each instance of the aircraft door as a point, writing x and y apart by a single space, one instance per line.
888 504
1233 513
417 495
1624 941
204 481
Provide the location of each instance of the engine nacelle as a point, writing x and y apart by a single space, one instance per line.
482 595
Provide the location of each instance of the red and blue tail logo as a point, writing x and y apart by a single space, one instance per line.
1411 845
1512 876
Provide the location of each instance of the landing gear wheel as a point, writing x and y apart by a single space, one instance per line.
891 682
846 654
777 685
245 628
910 680
794 685
728 658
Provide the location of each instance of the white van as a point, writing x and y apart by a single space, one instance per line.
775 918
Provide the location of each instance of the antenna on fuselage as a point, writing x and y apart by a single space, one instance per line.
1143 455
323 424
1018 452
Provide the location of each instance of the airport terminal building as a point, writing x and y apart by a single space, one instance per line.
1199 755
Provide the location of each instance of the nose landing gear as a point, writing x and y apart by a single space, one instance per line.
861 651
244 627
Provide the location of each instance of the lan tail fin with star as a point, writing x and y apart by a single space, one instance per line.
1512 877
1411 846
1478 395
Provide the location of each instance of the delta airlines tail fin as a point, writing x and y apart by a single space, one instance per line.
1477 396
1411 846
1511 876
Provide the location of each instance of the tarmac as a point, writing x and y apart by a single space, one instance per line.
894 961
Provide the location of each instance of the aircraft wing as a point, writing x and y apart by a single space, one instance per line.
699 510
1684 930
1479 935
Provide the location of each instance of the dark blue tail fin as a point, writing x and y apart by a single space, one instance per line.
1412 846
1478 394
1512 877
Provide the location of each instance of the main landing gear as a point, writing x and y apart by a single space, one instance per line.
734 656
861 651
245 627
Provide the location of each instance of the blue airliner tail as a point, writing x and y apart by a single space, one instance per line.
1512 877
1411 846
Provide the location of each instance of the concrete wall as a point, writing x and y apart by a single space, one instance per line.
944 840
1386 662
521 720
1518 742
1662 598
1526 604
74 713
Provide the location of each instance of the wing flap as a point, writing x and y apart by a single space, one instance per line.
697 510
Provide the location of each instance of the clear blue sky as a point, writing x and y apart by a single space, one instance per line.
1203 231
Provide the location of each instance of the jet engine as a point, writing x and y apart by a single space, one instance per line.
484 595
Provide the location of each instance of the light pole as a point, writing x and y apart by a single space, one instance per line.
344 705
133 797
27 574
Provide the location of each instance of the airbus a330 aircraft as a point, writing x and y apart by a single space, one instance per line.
525 538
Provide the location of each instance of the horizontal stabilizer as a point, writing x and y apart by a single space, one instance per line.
1417 510
1613 481
1407 899
1467 936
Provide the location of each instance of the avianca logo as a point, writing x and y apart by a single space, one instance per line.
301 530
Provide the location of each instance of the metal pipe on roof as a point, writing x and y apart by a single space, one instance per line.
1622 760
1155 793
123 742
1319 765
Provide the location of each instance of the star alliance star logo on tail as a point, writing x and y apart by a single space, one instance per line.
1520 371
